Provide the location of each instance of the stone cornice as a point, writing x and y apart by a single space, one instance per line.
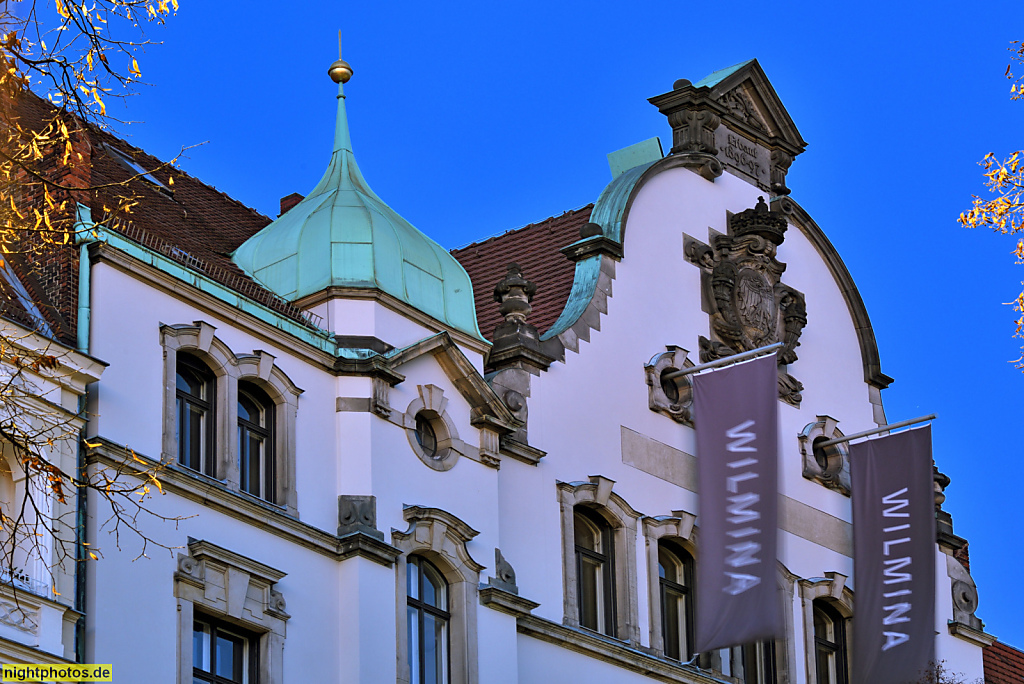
200 549
396 305
362 544
413 514
215 496
314 350
308 346
975 636
12 651
610 651
597 244
74 370
521 452
505 601
44 410
33 600
487 408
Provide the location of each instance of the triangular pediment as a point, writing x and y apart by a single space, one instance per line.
750 100
487 407
732 119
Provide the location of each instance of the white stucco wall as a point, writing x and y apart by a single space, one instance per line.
343 625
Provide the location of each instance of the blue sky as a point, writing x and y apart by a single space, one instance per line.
474 118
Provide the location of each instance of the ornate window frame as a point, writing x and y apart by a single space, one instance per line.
679 528
597 495
230 588
258 368
833 590
431 404
441 538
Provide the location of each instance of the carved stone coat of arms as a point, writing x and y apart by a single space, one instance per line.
743 292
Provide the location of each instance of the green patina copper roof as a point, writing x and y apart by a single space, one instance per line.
716 77
342 235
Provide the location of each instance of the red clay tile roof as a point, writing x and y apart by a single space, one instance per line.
535 248
963 554
1003 664
199 226
196 224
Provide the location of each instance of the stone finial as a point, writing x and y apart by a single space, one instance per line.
943 520
516 342
514 293
941 482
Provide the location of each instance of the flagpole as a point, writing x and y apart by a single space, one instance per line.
875 431
722 362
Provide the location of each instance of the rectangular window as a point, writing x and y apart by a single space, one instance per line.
223 654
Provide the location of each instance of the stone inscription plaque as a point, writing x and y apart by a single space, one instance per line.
750 160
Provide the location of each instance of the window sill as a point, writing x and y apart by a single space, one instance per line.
215 495
198 474
260 501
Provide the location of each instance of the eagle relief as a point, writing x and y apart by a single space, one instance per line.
743 292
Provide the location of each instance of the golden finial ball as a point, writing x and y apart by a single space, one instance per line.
340 71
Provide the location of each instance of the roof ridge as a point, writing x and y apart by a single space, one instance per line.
518 230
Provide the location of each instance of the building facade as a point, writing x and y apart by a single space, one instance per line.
383 462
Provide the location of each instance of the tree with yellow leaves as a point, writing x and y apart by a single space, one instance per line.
1005 178
61 63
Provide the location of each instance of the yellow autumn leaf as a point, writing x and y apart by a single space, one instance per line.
135 68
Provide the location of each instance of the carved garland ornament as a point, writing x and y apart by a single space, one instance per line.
749 305
742 107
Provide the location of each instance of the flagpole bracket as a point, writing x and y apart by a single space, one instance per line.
874 431
725 361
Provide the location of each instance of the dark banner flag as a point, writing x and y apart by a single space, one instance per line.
893 557
736 414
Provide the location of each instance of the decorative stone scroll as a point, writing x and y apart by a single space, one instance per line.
672 397
743 293
829 466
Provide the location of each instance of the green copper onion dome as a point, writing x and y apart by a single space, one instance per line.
342 235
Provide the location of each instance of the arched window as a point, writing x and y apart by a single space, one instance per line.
256 464
595 571
194 415
675 575
830 658
428 619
